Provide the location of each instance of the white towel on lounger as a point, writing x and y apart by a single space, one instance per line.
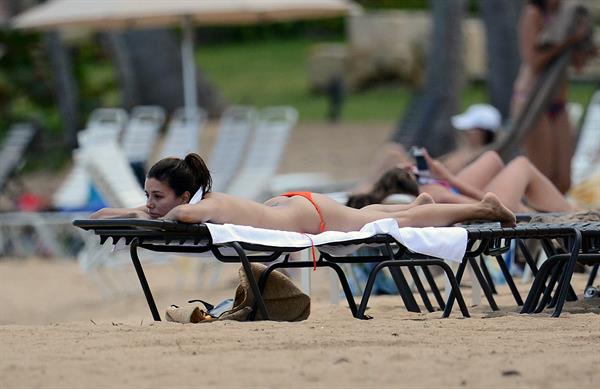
448 243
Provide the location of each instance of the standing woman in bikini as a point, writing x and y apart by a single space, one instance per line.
172 183
550 143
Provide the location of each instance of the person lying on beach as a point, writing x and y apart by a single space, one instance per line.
519 185
172 183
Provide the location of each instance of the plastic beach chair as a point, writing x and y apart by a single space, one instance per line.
234 131
265 152
19 138
587 154
111 173
141 133
104 125
183 133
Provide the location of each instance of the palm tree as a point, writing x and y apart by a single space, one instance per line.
427 118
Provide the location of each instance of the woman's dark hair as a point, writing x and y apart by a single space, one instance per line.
541 4
188 174
394 181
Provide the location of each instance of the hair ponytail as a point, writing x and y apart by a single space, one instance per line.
200 171
183 175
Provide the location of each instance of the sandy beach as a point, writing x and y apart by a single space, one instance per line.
58 328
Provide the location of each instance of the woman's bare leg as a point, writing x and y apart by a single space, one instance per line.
521 179
342 218
422 199
439 215
538 147
480 172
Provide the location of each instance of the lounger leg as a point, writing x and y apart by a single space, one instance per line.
403 289
509 280
539 283
260 302
556 271
142 277
528 257
484 286
368 288
420 288
454 292
433 286
345 287
568 274
592 276
487 275
454 283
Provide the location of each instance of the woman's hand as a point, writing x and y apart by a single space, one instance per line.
138 214
173 214
438 170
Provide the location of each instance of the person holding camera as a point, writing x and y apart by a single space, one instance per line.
476 128
519 185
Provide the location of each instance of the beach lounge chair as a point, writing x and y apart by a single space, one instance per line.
235 129
111 173
586 159
104 126
140 136
12 150
183 133
239 244
264 152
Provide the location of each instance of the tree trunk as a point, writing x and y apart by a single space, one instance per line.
427 119
501 18
149 67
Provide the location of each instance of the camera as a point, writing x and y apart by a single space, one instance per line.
418 153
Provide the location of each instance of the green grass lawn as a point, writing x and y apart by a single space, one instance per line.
275 72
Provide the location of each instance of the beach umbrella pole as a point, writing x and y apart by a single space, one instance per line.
189 71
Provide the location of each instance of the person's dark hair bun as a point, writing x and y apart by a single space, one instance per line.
183 175
198 167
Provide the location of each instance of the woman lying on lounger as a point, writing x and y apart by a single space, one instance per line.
172 182
519 185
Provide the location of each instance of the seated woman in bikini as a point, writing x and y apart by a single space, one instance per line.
172 182
519 185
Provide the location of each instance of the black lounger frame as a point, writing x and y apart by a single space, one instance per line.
581 239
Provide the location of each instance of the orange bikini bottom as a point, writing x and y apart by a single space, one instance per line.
308 196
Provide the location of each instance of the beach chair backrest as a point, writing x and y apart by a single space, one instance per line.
586 159
109 121
112 175
141 133
74 191
183 133
13 148
228 151
265 151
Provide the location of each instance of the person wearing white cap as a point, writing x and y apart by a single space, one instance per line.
477 128
479 125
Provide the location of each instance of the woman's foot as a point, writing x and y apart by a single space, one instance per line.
495 210
422 199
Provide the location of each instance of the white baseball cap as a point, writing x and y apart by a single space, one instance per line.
482 116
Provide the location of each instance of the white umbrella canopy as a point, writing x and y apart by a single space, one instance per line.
105 14
127 14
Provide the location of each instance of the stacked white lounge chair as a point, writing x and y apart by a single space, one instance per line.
141 133
265 151
235 129
104 126
183 133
